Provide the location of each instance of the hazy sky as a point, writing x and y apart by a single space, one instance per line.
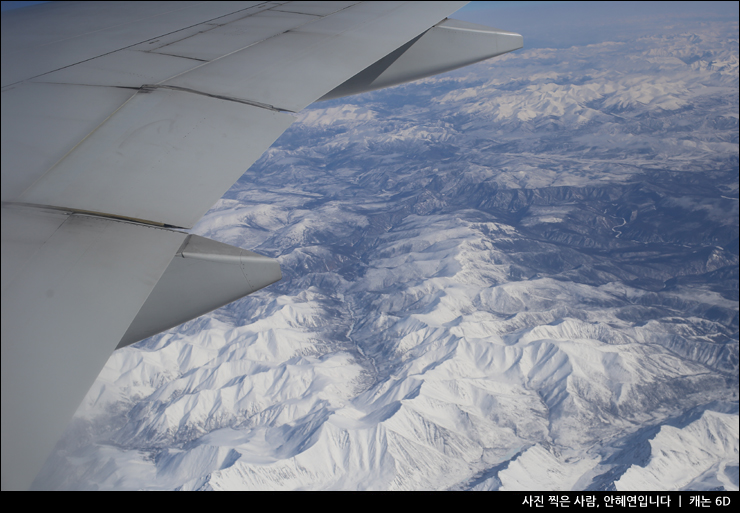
565 24
6 6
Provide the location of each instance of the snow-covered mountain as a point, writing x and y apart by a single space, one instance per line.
519 275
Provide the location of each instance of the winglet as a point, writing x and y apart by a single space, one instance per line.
449 45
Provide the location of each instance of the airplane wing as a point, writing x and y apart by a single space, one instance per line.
122 124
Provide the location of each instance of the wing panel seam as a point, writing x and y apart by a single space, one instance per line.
91 213
128 46
152 87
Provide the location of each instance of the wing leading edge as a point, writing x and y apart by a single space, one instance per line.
122 122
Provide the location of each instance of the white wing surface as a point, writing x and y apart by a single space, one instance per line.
123 122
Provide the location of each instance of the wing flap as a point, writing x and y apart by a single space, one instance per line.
153 159
59 115
74 285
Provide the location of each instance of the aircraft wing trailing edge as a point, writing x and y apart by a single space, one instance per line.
122 124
